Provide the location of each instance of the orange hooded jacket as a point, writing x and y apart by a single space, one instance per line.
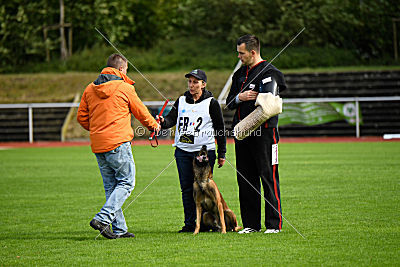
106 107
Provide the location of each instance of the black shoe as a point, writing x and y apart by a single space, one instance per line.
126 235
186 229
104 229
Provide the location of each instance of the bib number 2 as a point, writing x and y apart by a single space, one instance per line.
184 123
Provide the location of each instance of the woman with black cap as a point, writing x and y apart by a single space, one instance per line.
198 119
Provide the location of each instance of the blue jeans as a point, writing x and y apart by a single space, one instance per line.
184 163
117 168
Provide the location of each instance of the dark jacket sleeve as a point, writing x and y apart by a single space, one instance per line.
280 80
170 119
219 127
230 100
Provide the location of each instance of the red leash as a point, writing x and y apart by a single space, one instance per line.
153 134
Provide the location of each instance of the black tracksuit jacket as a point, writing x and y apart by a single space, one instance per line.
245 76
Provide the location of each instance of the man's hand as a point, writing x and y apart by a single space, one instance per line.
156 130
248 95
160 117
221 162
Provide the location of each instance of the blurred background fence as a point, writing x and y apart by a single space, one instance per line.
375 95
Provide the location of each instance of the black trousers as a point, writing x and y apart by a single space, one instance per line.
184 162
254 164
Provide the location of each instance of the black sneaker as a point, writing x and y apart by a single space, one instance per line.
126 235
186 229
104 229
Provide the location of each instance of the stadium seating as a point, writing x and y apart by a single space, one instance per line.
378 117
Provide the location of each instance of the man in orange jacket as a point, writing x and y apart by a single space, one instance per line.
105 110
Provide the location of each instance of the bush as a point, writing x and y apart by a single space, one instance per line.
190 53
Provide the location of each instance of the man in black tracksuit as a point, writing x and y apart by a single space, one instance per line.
257 154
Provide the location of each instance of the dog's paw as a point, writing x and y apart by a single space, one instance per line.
237 228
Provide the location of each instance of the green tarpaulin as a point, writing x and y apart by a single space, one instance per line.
318 113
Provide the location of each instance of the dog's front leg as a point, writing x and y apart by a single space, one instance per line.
218 200
221 216
198 218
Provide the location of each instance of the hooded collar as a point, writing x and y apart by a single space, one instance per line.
103 78
113 71
101 85
189 98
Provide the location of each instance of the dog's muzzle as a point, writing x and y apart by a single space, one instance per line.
202 157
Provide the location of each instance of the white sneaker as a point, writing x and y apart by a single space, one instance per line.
272 231
248 231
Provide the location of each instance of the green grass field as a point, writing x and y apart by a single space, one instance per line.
343 197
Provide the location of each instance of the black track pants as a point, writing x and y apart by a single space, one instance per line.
254 164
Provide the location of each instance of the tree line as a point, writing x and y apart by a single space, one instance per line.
30 31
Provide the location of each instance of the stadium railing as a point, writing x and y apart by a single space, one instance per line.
356 100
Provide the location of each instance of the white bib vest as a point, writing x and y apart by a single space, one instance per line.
194 126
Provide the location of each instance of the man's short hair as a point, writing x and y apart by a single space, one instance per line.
116 61
251 42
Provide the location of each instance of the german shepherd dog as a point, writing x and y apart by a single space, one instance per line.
211 209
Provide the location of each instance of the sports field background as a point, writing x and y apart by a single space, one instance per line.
343 197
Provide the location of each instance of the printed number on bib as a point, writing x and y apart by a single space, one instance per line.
199 121
184 123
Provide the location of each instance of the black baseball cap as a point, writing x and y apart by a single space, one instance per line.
198 74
